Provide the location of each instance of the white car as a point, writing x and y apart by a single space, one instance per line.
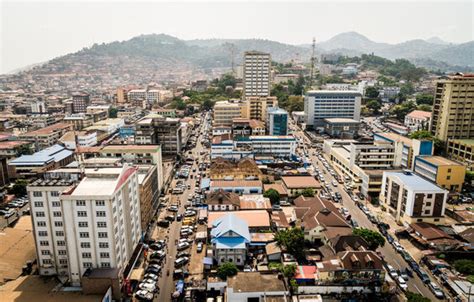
398 247
183 245
144 294
402 283
147 286
392 272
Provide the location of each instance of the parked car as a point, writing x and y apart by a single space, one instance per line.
402 283
408 272
148 287
199 247
436 290
398 247
183 246
392 272
181 261
144 295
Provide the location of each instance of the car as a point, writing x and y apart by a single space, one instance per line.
173 209
423 275
402 283
365 210
398 247
199 247
179 217
404 275
155 266
408 272
152 270
392 272
183 246
179 273
436 290
276 207
170 218
164 223
144 295
181 261
158 255
148 287
355 198
390 238
247 268
148 281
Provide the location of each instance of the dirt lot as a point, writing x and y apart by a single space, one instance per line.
36 288
17 246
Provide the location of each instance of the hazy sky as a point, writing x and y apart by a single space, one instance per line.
36 31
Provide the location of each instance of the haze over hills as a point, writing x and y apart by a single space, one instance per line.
159 49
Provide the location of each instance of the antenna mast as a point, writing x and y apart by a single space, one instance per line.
313 61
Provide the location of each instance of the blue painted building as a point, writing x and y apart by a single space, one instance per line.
277 121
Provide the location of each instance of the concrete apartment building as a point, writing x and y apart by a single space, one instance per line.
453 108
159 130
95 224
277 121
446 173
323 104
256 108
46 137
462 150
225 111
409 198
256 74
79 121
73 139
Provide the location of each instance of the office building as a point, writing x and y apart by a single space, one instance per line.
244 127
225 111
462 150
256 108
409 198
277 121
256 77
341 127
445 173
101 220
453 108
159 130
79 121
73 139
46 137
80 101
322 104
38 107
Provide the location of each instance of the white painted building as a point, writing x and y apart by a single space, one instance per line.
95 224
256 77
275 146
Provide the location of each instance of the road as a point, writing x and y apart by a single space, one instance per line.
390 255
166 282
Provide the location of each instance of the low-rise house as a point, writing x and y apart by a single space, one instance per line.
257 220
233 170
221 200
295 185
237 186
347 242
360 268
254 202
230 237
254 286
46 137
418 120
273 251
279 187
430 236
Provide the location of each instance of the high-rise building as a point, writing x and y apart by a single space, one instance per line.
277 121
453 108
80 101
94 224
322 104
160 130
257 67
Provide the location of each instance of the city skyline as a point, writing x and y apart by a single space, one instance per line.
48 26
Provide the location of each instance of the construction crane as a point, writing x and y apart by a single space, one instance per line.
313 61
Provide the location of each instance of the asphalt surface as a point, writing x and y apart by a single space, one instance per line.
390 255
166 282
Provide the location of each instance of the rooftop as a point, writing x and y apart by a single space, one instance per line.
395 138
334 92
439 161
254 201
48 130
236 183
6 145
341 120
253 218
255 282
54 153
419 114
103 181
414 182
300 182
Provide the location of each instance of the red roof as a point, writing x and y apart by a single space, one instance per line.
125 176
305 272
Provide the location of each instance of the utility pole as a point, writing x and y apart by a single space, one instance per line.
313 61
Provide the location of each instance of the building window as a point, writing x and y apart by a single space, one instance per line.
42 233
38 204
59 233
430 195
80 203
87 265
37 194
448 177
39 214
62 252
41 223
85 245
104 245
55 193
428 204
102 234
44 243
81 214
58 223
46 261
86 255
61 242
45 252
57 214
427 212
105 264
82 224
84 234
100 203
449 170
101 224
104 255
56 204
100 213
63 261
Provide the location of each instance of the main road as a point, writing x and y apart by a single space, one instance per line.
390 255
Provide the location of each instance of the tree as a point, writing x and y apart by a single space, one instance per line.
282 95
24 150
113 112
407 89
295 103
424 107
207 104
227 269
292 240
373 105
308 192
373 238
19 188
371 92
288 270
469 177
421 134
415 297
401 110
273 195
464 266
424 99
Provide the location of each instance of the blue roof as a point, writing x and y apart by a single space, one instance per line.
54 153
415 182
230 223
230 243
